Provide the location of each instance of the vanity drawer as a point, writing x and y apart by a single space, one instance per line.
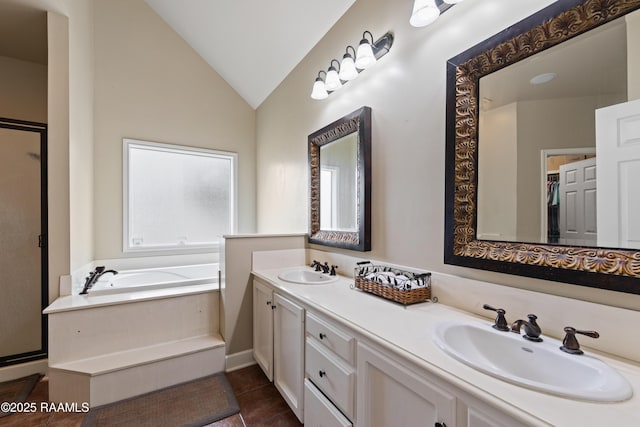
331 375
331 337
319 411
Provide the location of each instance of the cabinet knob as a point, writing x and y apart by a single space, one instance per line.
322 336
322 373
440 425
268 302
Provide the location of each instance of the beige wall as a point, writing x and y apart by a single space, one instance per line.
58 150
407 93
150 85
81 132
497 165
633 55
23 86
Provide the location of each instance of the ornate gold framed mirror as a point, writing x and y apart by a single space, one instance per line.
340 183
589 259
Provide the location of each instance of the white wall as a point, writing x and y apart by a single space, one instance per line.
407 94
150 85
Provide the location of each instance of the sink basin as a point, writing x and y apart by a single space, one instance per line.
306 277
538 366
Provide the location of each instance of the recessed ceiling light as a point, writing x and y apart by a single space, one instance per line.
542 78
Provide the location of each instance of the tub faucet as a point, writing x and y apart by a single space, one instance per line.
532 330
93 277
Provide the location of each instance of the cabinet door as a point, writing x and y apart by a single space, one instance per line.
388 394
263 327
288 342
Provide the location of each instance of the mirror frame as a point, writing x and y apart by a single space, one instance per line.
605 268
359 121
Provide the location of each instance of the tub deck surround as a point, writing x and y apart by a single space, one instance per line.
407 332
89 301
105 348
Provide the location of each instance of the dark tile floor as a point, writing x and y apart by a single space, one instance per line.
260 405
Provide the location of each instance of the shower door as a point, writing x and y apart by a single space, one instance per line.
23 231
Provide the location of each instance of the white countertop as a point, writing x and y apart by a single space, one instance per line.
407 331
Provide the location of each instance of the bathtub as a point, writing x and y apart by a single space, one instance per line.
155 278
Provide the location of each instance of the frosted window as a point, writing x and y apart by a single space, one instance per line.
177 197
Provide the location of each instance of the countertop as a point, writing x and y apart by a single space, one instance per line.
407 332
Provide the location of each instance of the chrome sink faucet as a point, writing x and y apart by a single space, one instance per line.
532 330
93 277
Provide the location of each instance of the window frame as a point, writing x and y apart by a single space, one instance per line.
175 249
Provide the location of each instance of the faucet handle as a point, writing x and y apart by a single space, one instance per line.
570 343
333 270
501 322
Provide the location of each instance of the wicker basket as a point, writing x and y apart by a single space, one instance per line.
390 291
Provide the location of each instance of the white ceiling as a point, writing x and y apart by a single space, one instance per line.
252 44
579 70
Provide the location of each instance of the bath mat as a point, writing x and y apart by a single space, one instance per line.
194 403
17 390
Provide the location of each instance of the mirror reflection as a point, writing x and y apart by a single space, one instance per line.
557 160
339 184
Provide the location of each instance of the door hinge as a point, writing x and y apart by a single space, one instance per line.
42 241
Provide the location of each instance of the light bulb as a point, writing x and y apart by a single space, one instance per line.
424 13
333 81
364 56
347 68
319 91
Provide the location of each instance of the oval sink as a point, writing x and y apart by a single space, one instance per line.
538 366
306 277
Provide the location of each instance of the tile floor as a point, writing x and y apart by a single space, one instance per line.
260 405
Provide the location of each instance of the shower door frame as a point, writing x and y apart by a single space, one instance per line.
41 129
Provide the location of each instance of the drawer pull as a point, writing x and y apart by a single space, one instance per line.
322 336
322 373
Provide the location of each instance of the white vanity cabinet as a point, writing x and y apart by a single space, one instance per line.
263 327
329 367
389 394
278 342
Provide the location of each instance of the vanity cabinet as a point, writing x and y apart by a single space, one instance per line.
333 375
263 327
278 343
329 366
389 394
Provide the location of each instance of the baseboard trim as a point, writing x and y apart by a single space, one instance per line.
20 370
239 360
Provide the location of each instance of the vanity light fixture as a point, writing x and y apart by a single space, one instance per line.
367 54
333 83
426 12
364 55
348 66
319 91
